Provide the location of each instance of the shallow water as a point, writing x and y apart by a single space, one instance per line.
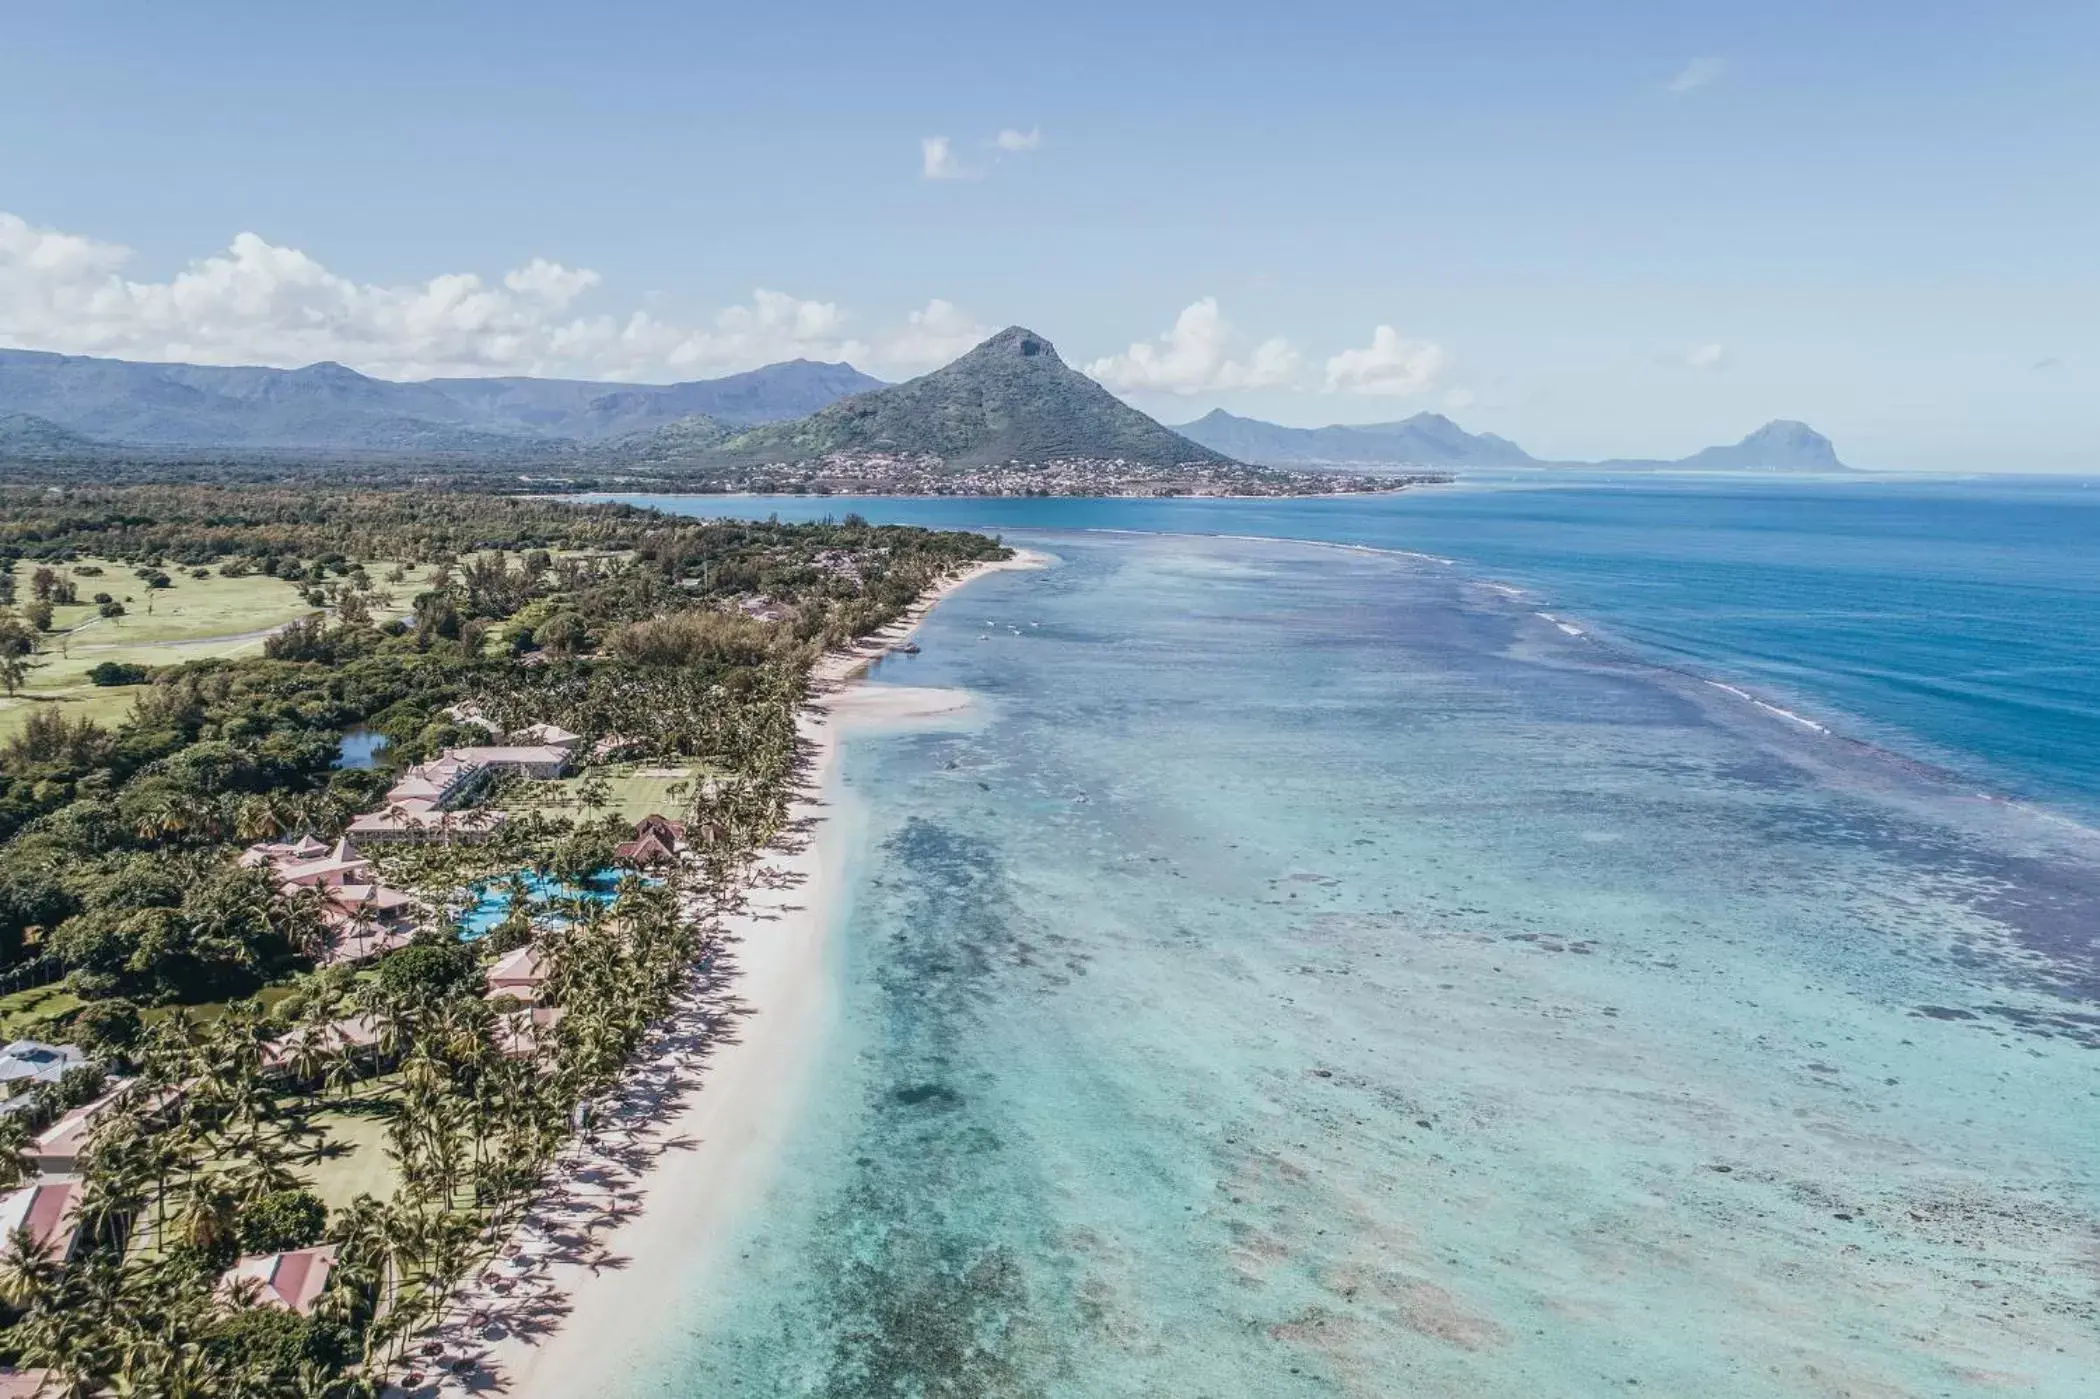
359 748
1957 621
1313 973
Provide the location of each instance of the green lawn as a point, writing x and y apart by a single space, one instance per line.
637 790
354 1160
196 619
34 1013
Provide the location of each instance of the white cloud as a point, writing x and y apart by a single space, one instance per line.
1698 73
1197 356
1458 400
1389 365
937 160
934 335
550 281
1704 357
258 303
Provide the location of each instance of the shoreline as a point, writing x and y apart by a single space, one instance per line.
709 1103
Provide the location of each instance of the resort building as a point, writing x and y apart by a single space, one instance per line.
517 1033
27 1063
293 1280
520 973
364 917
419 807
549 735
444 781
422 825
275 853
49 1210
306 863
657 841
541 761
56 1150
469 713
358 1032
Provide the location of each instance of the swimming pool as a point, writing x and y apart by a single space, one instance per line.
490 899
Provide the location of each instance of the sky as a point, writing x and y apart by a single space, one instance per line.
1601 229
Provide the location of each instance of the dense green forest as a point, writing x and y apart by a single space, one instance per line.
126 923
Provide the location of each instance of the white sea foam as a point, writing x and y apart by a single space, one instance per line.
1769 708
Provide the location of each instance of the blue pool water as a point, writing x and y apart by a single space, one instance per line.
491 899
1310 971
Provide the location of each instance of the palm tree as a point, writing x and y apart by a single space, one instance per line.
258 818
28 1269
210 1214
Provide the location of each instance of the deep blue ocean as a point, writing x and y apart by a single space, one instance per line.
1957 621
1523 942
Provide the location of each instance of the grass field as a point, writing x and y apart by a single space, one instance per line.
196 619
635 791
32 1014
354 1160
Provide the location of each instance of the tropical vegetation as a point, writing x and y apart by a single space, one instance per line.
235 1057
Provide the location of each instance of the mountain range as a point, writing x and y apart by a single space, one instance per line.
1426 439
1011 399
328 407
1432 440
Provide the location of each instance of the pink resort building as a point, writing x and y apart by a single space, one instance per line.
293 1280
49 1210
364 917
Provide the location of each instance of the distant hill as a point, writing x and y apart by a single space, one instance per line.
1780 445
1010 399
589 410
674 442
1432 440
1426 439
329 407
26 434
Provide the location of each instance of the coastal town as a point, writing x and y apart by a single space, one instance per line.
885 473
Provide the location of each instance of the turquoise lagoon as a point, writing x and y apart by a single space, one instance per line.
1312 972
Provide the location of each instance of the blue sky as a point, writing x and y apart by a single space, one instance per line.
1631 229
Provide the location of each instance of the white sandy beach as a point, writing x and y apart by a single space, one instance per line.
584 1285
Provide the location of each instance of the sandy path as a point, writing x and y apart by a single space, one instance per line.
605 1257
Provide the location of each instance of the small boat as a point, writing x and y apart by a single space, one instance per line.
910 648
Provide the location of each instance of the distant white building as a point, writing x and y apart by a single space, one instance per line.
551 735
419 807
470 713
536 760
